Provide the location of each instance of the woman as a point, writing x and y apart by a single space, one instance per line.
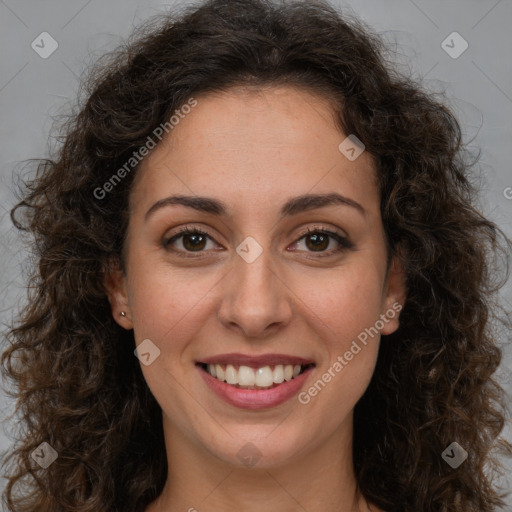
281 230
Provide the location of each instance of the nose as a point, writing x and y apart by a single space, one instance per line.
255 298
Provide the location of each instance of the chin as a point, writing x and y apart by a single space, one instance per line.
252 450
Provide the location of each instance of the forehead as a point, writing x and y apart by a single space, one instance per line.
253 146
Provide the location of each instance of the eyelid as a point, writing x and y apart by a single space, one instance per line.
328 230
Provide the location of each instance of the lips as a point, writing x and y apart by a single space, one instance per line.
255 382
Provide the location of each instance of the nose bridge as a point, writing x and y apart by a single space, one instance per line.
253 296
253 269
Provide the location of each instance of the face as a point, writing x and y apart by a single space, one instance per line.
255 290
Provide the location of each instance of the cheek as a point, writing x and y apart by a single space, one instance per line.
345 323
343 311
165 299
343 303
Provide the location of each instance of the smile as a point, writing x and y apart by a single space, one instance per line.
255 382
245 377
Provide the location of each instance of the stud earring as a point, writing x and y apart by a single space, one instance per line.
123 313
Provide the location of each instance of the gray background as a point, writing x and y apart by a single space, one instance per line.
33 91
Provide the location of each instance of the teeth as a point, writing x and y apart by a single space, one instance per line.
278 376
219 372
264 377
231 374
244 376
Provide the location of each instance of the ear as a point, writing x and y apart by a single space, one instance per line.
115 285
395 293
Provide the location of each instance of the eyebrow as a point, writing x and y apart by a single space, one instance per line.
293 206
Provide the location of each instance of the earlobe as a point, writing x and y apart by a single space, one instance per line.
115 287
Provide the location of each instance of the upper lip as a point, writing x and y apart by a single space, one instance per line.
256 361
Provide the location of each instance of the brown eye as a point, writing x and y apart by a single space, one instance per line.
319 239
195 240
192 240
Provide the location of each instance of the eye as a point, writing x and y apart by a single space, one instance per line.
193 240
319 239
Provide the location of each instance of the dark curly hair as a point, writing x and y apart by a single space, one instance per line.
79 386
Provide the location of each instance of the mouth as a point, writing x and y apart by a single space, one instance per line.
255 382
254 377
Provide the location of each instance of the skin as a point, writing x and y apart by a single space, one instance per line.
255 149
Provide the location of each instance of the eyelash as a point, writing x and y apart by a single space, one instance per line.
344 243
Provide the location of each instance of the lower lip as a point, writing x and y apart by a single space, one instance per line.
255 398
